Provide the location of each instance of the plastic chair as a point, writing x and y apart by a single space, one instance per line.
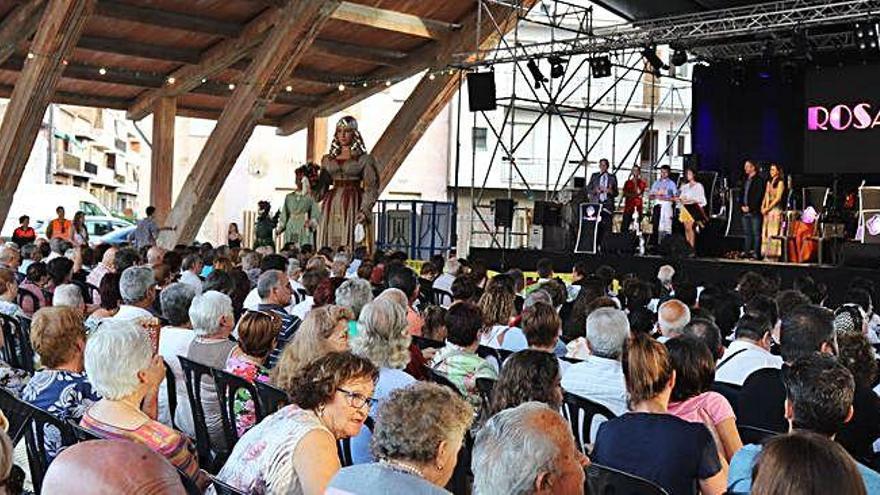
221 488
484 388
425 343
603 480
171 391
93 290
754 434
82 434
270 398
189 486
579 412
17 350
227 386
17 414
441 379
44 428
729 391
194 374
442 297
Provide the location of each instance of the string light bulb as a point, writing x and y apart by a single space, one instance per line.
387 84
288 88
102 71
30 55
231 86
431 76
204 80
171 80
365 84
341 87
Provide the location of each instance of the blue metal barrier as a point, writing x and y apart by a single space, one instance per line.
420 228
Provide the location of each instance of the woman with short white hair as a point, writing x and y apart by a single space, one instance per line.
120 363
354 294
384 340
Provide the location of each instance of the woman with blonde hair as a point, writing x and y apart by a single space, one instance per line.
497 306
324 330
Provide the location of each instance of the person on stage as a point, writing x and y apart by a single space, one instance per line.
633 190
300 212
663 192
750 203
771 209
691 193
355 188
264 226
602 189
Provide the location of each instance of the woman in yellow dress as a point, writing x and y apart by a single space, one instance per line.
355 188
771 208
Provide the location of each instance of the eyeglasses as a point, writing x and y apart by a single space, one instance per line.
357 400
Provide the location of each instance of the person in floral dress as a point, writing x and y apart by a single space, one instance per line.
257 334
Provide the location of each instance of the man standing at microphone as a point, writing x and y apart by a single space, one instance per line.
602 189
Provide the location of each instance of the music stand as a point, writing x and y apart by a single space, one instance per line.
589 214
869 214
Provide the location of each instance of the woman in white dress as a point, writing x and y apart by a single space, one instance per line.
691 193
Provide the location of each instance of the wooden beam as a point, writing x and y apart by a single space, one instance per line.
298 25
428 99
214 60
57 33
162 157
316 142
359 53
19 25
391 20
119 46
167 19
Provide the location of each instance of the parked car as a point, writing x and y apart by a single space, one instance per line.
117 237
96 226
40 202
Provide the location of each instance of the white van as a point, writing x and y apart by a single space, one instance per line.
40 202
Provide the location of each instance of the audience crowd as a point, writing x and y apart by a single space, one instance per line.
225 369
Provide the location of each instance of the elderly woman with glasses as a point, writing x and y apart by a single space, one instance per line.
416 442
294 450
120 362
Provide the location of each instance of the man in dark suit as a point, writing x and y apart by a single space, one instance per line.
602 189
750 203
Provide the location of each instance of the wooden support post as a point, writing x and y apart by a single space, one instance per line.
19 25
162 159
298 25
316 144
57 34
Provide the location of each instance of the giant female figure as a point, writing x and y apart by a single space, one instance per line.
355 187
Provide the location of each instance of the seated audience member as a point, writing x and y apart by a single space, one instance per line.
527 449
806 330
642 320
273 288
749 352
541 327
70 296
384 340
294 450
458 360
99 467
120 363
212 320
435 325
557 292
417 444
405 279
465 289
427 275
257 333
818 398
324 330
694 373
105 266
707 332
110 301
860 433
250 265
804 462
354 294
311 279
417 360
653 444
9 295
138 290
599 377
174 340
36 283
60 272
191 267
11 379
270 262
497 308
527 376
451 270
533 298
544 269
672 316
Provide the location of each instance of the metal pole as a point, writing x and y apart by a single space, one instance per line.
454 220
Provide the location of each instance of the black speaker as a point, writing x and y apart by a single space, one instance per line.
675 246
504 213
481 91
579 182
620 243
691 160
547 213
859 255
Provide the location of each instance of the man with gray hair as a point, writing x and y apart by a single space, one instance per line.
138 290
527 450
10 258
70 296
155 255
30 253
273 287
672 316
599 377
189 272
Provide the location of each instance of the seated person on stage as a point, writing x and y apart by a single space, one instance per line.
748 353
663 191
818 398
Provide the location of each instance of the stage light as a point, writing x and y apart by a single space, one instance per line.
866 35
536 73
600 66
557 67
802 46
650 55
679 57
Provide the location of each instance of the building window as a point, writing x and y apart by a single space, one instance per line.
479 136
648 151
680 145
110 160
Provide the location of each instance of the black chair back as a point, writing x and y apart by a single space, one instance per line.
270 398
82 434
753 434
221 488
171 391
42 430
579 412
194 374
189 486
461 480
730 392
484 388
228 387
425 343
440 379
27 294
442 297
94 291
603 480
17 414
17 350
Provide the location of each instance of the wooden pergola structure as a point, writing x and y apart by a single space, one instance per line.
241 62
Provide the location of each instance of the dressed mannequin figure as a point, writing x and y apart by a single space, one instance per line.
300 213
355 188
264 226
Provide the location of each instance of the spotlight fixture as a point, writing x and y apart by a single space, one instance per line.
557 66
679 57
600 66
650 55
866 34
802 46
536 73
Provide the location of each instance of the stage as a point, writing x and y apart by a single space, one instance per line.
697 270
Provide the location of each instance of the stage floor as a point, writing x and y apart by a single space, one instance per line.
697 270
